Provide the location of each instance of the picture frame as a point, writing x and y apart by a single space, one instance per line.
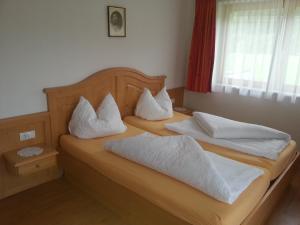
116 19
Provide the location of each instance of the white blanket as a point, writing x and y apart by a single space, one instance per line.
219 127
182 158
264 147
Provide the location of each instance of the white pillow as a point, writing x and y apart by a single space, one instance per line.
154 108
86 123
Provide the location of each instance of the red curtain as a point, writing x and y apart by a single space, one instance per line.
203 47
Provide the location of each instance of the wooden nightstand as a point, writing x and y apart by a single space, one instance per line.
28 165
183 110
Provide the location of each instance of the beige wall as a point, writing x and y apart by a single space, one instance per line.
46 43
282 116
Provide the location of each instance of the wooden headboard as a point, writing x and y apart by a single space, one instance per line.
124 84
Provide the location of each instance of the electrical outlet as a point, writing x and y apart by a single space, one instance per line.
28 135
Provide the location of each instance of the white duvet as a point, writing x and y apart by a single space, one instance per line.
247 138
220 127
182 158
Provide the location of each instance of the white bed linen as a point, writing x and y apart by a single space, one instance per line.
182 158
86 123
154 108
268 148
220 127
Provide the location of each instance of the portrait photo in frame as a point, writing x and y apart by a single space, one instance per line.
116 21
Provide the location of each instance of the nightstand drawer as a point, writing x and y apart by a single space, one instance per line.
36 166
19 165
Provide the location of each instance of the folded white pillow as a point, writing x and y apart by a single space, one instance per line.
154 108
86 123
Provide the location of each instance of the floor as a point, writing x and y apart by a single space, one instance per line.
288 212
59 203
54 203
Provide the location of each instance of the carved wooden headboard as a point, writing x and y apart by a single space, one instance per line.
125 85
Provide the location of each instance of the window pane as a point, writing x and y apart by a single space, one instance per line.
258 46
251 36
293 67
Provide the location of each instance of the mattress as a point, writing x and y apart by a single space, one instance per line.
276 167
169 194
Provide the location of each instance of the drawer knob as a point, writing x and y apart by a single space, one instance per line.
37 166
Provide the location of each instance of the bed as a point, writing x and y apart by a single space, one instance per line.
114 185
275 167
170 195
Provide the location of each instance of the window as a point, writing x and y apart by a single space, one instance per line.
258 48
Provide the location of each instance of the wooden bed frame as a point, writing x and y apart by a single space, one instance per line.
126 85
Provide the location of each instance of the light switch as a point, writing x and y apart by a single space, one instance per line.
28 135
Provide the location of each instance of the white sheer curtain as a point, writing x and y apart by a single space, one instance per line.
258 48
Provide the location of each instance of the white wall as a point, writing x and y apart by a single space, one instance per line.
282 116
45 43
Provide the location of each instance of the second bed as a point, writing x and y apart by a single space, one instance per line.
276 167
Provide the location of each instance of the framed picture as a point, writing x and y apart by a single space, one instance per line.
116 21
